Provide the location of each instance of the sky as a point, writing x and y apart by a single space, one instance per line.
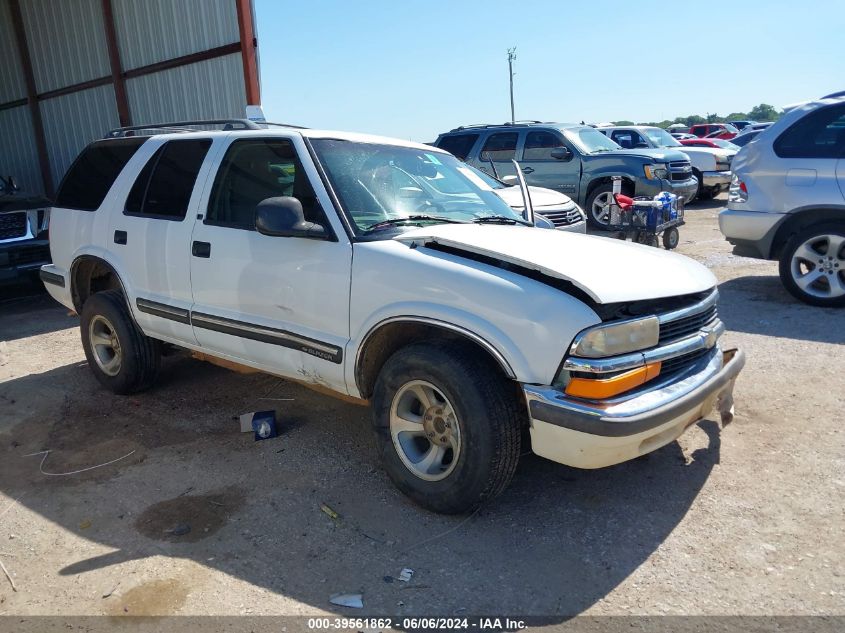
413 69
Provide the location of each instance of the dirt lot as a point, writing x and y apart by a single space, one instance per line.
745 520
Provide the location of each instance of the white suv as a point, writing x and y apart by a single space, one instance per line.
787 200
312 255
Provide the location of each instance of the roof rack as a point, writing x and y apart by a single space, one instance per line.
189 126
489 125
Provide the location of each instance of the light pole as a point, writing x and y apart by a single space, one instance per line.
511 59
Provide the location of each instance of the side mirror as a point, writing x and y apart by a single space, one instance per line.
561 153
510 180
641 146
283 217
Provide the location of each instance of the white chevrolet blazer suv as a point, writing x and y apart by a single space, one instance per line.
312 255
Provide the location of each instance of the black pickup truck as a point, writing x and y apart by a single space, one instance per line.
24 246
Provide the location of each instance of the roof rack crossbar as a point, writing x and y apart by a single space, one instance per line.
489 125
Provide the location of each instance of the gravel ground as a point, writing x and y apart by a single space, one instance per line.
742 520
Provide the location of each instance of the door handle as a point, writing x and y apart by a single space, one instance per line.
201 249
527 170
120 237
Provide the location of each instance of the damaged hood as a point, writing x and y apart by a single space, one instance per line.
607 269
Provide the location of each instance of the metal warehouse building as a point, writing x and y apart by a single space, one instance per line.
70 70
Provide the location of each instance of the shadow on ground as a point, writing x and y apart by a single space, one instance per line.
761 305
555 543
28 311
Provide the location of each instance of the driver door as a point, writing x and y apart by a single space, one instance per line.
542 170
281 303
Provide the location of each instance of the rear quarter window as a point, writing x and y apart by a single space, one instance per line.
819 134
94 171
459 145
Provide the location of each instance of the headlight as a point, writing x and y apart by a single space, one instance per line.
618 338
655 172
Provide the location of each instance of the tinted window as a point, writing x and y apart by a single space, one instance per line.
163 188
539 145
820 134
254 170
458 145
500 147
93 173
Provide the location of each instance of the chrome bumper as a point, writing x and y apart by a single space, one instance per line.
593 435
715 178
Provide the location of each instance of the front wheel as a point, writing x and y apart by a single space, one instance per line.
671 237
812 265
448 426
598 206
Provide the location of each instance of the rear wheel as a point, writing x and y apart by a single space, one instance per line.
812 265
448 426
122 358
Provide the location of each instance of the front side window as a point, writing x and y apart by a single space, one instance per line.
389 188
661 138
163 188
820 134
254 170
93 173
539 146
500 147
459 145
624 138
590 141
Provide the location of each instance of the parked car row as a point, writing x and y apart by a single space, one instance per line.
576 160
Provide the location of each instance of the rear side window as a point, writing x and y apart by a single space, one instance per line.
539 146
163 188
820 134
500 147
92 174
458 145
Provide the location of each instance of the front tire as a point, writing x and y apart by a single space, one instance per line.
598 206
812 265
448 426
123 359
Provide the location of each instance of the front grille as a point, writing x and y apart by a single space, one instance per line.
562 218
12 225
30 255
680 328
680 170
680 363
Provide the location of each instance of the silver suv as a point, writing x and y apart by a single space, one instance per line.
787 200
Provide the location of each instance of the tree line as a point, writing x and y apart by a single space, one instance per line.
760 113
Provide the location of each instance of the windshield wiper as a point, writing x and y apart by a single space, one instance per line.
411 219
499 219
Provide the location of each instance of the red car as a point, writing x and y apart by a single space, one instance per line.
700 142
714 130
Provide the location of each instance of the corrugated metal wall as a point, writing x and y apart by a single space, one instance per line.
154 30
18 156
74 120
67 43
162 96
12 84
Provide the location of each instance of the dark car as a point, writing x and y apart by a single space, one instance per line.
24 247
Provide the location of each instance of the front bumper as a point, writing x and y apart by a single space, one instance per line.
584 435
22 257
685 189
719 179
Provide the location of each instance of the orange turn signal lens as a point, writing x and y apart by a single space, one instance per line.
601 388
